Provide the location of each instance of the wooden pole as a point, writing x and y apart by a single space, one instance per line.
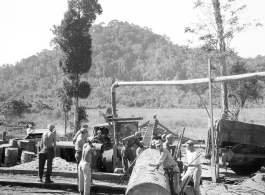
213 165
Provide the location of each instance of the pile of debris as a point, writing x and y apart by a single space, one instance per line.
58 164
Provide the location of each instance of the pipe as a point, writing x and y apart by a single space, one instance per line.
190 82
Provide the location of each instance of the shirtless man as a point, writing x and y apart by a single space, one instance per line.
48 152
84 168
126 151
168 144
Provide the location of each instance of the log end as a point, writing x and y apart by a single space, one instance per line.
147 189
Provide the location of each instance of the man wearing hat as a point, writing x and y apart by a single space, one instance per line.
48 152
29 129
84 168
168 162
79 132
81 140
194 169
99 137
126 151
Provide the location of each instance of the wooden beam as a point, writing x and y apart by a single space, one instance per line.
148 134
144 179
128 119
238 155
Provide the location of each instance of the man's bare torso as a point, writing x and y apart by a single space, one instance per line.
87 153
49 139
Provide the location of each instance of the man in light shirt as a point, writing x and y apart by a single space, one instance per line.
168 162
81 140
194 169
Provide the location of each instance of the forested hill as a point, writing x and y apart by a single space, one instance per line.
122 51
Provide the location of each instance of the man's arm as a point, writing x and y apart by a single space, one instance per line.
139 144
76 135
124 140
161 160
41 142
54 143
94 152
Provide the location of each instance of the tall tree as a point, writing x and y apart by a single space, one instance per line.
74 40
217 29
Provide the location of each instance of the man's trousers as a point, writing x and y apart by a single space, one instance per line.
84 177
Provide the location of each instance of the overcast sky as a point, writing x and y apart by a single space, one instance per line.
25 24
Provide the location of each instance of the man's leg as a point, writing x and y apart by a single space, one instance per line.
81 178
196 178
87 178
50 156
176 179
186 179
124 156
42 159
78 156
131 159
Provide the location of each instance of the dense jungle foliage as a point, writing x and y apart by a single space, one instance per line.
124 52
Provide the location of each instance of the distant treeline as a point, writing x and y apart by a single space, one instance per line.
125 52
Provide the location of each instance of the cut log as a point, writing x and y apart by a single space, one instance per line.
145 180
11 157
23 144
27 156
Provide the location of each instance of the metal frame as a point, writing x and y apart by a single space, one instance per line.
209 80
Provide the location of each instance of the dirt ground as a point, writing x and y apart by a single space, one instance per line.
18 190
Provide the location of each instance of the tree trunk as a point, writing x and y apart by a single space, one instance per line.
222 49
145 181
65 122
76 118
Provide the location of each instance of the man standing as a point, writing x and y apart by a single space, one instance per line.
126 151
81 140
48 152
168 162
84 168
194 169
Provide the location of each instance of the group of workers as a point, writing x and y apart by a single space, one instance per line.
164 144
84 149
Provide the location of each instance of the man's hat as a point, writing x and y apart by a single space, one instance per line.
85 126
83 130
158 143
90 139
99 131
169 136
190 142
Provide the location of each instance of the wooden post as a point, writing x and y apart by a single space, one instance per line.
144 179
213 164
114 124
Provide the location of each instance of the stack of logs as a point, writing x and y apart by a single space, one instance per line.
17 150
